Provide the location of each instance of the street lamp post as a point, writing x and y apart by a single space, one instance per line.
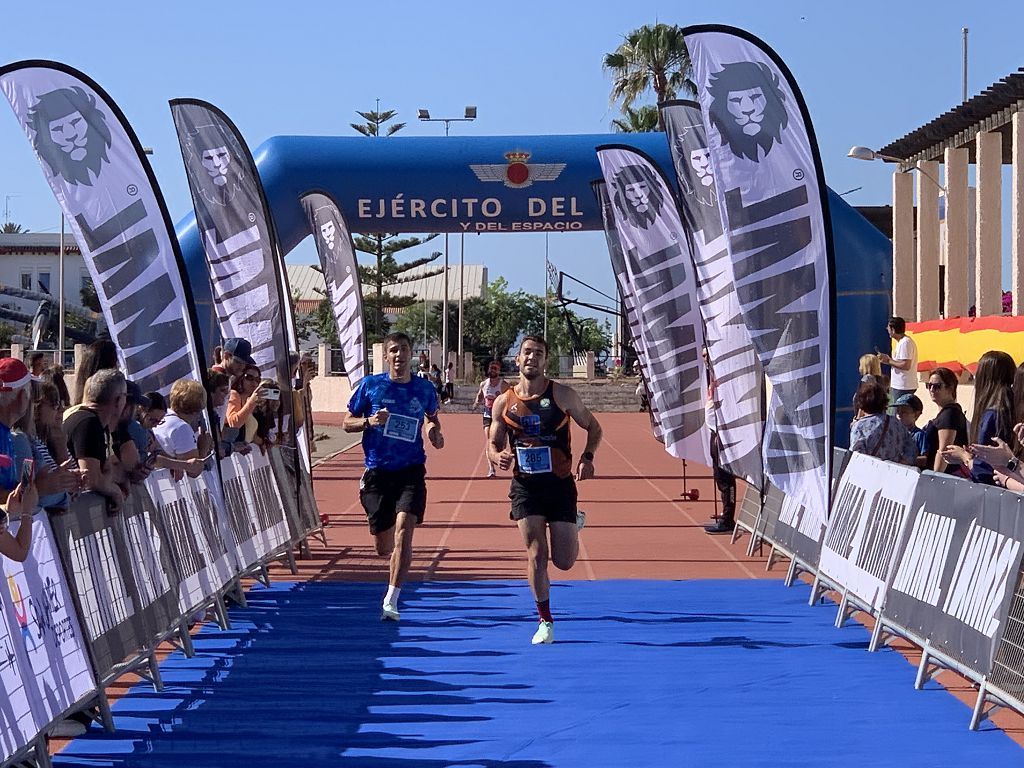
468 116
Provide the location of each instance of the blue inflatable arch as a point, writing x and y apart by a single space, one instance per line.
519 184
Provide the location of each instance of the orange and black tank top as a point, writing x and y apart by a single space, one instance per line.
539 433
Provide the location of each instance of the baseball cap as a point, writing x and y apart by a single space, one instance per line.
239 348
13 374
910 400
135 394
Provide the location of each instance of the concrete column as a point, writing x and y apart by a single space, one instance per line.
927 240
1017 213
467 368
79 354
323 360
378 358
904 294
957 240
18 351
988 286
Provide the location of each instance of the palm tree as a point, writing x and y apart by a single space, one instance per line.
10 228
640 120
651 57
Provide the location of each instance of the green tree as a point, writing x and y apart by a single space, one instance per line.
383 246
640 120
7 332
10 228
375 120
88 295
653 57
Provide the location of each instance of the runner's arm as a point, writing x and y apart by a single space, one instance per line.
434 430
570 401
479 399
498 436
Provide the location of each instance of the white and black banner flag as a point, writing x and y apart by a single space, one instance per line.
771 191
739 395
866 525
237 236
96 168
628 300
958 567
341 272
662 280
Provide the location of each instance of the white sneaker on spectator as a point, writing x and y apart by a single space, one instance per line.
581 519
545 633
67 729
389 612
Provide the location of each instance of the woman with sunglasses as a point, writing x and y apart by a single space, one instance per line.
949 427
246 394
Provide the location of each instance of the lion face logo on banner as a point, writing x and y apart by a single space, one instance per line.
328 231
748 108
214 152
637 195
70 134
698 181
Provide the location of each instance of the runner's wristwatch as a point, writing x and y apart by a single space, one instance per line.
1013 464
587 455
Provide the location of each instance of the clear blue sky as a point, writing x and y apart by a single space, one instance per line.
869 76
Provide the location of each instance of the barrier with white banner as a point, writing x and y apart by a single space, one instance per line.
44 666
869 514
254 506
199 536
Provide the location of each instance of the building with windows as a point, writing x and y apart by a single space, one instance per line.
31 261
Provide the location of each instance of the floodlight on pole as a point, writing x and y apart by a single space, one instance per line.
468 116
865 153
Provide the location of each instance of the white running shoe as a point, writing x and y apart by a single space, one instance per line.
491 472
545 633
581 519
389 612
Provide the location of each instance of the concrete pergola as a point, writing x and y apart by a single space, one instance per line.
988 131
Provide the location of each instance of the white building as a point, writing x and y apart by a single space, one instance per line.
31 261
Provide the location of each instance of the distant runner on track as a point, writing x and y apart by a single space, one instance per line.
533 417
486 394
391 409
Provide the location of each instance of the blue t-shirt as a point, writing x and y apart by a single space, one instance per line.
399 443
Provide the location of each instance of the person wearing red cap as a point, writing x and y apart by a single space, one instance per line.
15 399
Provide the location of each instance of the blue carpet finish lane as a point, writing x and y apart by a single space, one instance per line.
701 673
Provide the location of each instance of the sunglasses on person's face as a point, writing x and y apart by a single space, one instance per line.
934 386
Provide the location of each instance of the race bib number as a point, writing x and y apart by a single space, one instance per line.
533 461
404 428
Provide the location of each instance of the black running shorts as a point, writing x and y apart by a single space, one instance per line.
551 497
384 493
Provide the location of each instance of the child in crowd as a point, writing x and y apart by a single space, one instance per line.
908 410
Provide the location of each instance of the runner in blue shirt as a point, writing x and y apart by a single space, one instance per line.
391 409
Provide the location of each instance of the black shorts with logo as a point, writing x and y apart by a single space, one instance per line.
550 496
384 493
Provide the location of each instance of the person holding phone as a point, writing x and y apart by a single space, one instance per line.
392 409
20 505
246 393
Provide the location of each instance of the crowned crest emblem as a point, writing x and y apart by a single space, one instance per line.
517 172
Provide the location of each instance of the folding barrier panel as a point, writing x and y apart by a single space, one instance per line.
866 524
42 642
196 535
98 564
254 506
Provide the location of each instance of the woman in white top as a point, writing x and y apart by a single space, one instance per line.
177 435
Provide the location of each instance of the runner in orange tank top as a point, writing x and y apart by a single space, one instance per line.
530 436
